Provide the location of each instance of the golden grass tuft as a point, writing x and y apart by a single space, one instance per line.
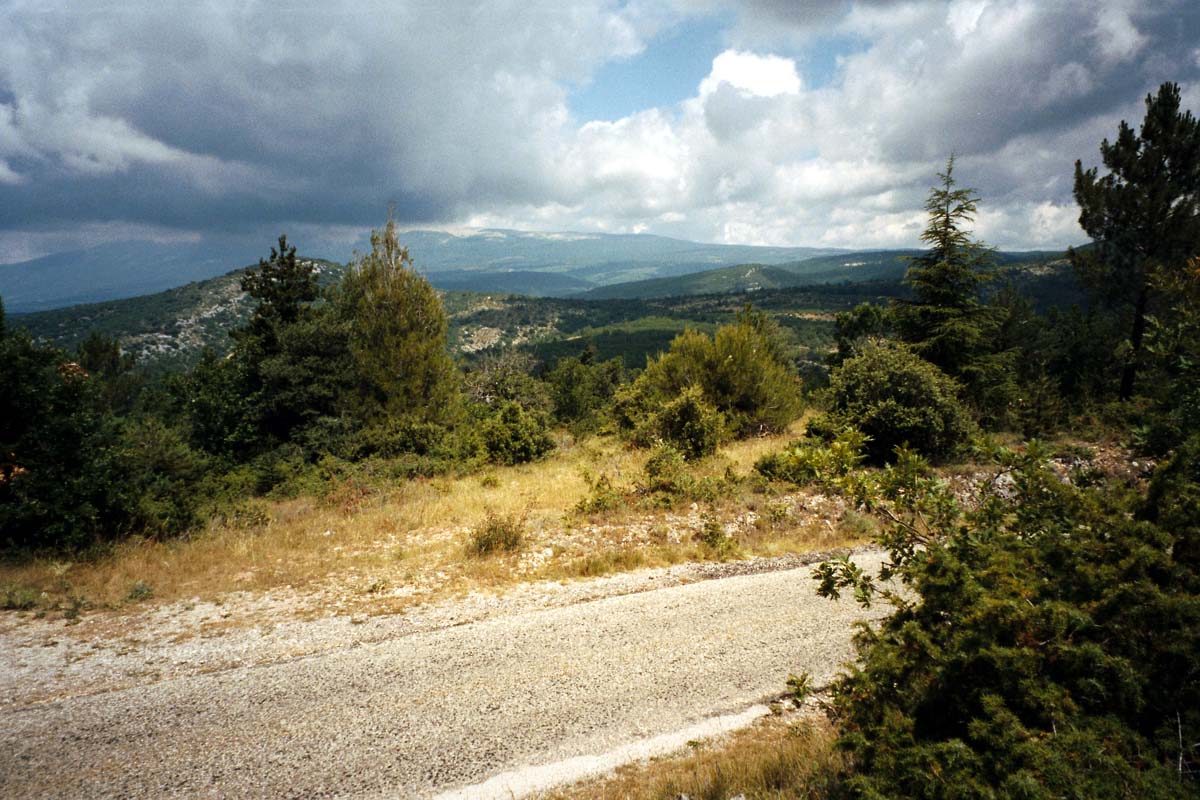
771 759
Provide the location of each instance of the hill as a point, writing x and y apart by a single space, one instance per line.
527 282
595 258
170 329
163 330
114 270
872 265
491 260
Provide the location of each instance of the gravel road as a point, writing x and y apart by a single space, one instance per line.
437 710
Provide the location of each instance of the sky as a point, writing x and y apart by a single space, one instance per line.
780 122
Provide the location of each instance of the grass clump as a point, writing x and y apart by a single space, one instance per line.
139 591
771 759
18 598
498 533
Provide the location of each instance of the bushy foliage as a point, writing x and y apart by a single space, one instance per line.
397 335
1044 645
512 435
740 372
861 324
1173 347
582 389
666 472
162 486
896 398
689 424
71 474
56 480
508 376
815 461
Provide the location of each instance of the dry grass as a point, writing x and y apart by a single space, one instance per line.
771 759
378 550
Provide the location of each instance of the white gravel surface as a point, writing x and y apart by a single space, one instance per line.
412 706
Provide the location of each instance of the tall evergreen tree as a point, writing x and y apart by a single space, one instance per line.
944 322
398 335
282 285
1144 215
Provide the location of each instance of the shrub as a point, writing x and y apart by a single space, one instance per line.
897 398
602 496
741 372
582 389
513 435
714 538
1044 646
811 462
690 424
666 473
498 533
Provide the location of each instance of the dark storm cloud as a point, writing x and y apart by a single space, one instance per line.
223 114
235 117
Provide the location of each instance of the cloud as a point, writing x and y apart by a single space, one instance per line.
754 75
1018 90
233 117
311 113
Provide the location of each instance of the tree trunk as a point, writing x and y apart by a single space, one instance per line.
1129 374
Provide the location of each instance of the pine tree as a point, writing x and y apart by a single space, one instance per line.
1144 215
398 335
944 322
282 285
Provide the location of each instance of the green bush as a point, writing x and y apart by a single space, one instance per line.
690 424
1045 645
59 487
582 389
741 372
161 479
666 472
815 462
898 399
513 435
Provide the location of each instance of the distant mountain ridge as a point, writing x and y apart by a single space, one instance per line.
113 270
170 329
853 267
492 260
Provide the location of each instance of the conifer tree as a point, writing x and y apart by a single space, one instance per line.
398 335
1144 215
282 286
944 322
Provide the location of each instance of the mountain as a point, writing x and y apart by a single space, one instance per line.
854 267
117 269
597 258
166 329
522 281
490 260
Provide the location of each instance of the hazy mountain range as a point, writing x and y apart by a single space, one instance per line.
549 264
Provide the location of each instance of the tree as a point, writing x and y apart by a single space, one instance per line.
287 368
398 335
282 285
898 399
944 322
57 488
1144 215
